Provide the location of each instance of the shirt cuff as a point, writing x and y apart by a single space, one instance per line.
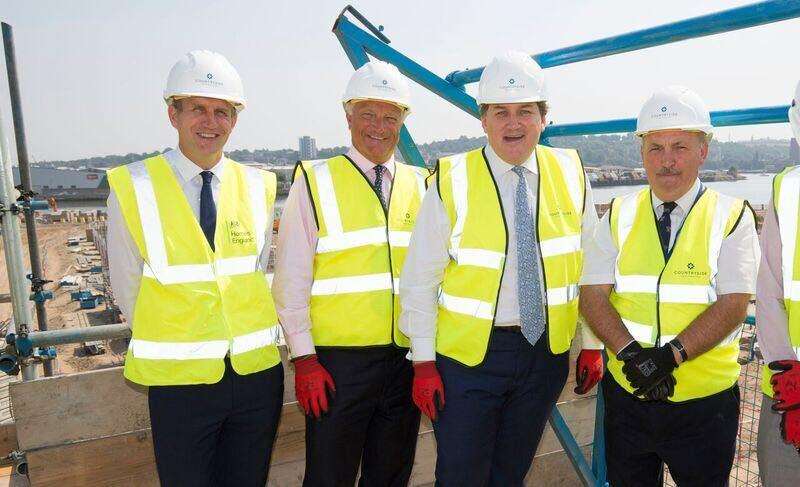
301 344
589 340
595 279
423 349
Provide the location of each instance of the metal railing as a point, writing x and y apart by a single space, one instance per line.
360 43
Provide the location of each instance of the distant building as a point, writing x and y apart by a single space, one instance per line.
794 152
308 148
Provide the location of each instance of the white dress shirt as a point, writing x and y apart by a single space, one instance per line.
772 323
428 256
738 257
124 259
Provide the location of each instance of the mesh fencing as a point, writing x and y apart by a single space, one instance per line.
745 463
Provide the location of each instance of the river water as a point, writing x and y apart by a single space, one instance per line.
755 188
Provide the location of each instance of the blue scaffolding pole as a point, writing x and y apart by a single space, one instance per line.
360 43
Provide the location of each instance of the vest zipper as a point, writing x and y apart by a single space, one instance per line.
667 256
388 245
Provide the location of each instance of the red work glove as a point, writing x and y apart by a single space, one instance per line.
786 384
790 427
427 383
311 383
588 370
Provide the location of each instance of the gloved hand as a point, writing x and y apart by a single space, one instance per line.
311 384
786 384
588 370
427 384
645 368
790 427
662 390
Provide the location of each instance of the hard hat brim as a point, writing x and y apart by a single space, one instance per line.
500 101
238 104
706 129
384 100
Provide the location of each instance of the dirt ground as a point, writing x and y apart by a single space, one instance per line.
57 261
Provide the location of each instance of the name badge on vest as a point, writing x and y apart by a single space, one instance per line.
237 235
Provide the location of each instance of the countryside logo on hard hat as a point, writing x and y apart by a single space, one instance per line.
512 85
384 86
664 113
210 81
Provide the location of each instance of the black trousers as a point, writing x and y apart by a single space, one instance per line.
371 420
696 439
217 434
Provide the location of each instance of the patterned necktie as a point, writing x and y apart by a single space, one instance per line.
529 291
379 183
208 210
665 225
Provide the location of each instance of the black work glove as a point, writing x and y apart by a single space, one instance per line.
662 390
649 370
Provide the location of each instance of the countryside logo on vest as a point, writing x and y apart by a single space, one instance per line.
560 212
689 271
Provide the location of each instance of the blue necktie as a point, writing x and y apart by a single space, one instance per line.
208 210
529 291
379 183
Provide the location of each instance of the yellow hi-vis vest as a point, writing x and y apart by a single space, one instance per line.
360 251
196 305
479 244
786 200
657 300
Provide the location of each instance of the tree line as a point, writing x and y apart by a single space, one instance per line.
596 150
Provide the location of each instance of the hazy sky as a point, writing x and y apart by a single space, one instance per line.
92 72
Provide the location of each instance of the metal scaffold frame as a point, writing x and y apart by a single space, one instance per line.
360 43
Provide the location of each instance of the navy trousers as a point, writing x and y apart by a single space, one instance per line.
696 439
495 413
371 420
217 434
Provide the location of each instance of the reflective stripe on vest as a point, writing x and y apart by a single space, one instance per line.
359 251
157 266
194 305
477 248
786 203
656 300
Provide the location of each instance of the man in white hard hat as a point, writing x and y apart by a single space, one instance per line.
341 245
490 287
666 285
188 243
778 326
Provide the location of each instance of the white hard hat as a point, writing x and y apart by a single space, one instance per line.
205 73
674 108
513 77
794 113
377 80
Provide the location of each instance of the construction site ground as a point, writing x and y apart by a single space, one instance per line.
59 260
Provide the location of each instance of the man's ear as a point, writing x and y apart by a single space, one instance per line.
173 114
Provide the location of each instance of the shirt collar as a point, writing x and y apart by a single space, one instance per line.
500 167
366 165
186 169
685 202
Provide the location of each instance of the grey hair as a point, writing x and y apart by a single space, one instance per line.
348 109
